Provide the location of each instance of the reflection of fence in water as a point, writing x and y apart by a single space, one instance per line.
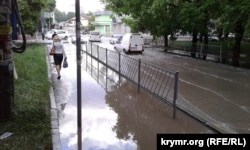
159 82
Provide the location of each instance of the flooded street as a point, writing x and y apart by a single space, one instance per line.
216 93
114 115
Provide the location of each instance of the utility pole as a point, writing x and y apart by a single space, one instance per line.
8 22
79 61
6 63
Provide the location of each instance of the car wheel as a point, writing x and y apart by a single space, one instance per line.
126 52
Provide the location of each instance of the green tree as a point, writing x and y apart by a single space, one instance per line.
155 16
165 17
91 18
30 12
235 18
70 15
60 16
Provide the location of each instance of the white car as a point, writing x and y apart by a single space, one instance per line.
95 36
63 34
131 42
84 39
48 35
213 38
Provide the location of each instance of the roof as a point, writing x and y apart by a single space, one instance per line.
81 18
100 13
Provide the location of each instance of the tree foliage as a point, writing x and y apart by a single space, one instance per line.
60 16
199 17
91 18
30 12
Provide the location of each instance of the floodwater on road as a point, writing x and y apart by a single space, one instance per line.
217 93
114 115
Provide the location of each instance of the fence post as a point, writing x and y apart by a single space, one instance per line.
220 54
176 77
139 75
91 46
98 63
201 51
86 53
106 51
86 47
92 60
119 69
106 69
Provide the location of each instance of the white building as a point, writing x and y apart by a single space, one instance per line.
119 27
84 21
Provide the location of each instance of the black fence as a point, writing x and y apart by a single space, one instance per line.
158 81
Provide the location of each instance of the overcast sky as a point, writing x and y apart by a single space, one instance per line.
86 5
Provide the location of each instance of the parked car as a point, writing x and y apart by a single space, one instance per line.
95 36
231 35
63 34
84 38
48 35
213 38
115 39
131 42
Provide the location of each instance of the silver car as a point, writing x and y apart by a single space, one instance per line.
115 39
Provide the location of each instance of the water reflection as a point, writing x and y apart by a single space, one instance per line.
140 116
98 119
114 115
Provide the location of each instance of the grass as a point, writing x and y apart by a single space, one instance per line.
30 120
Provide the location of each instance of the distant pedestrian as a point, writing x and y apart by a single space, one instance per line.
53 35
43 36
59 55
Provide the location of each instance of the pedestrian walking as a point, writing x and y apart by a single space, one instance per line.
53 35
59 54
43 36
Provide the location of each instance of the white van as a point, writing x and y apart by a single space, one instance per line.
95 36
131 42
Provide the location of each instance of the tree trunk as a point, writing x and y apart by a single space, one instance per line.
165 42
206 22
205 50
239 31
194 44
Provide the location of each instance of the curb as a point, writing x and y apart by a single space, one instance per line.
55 133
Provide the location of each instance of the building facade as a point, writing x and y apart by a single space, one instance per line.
103 22
108 23
118 27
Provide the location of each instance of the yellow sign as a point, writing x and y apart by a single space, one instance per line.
5 30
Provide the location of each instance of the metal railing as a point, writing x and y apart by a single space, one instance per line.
212 52
158 81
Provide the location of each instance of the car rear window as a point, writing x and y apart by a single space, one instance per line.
117 36
95 33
